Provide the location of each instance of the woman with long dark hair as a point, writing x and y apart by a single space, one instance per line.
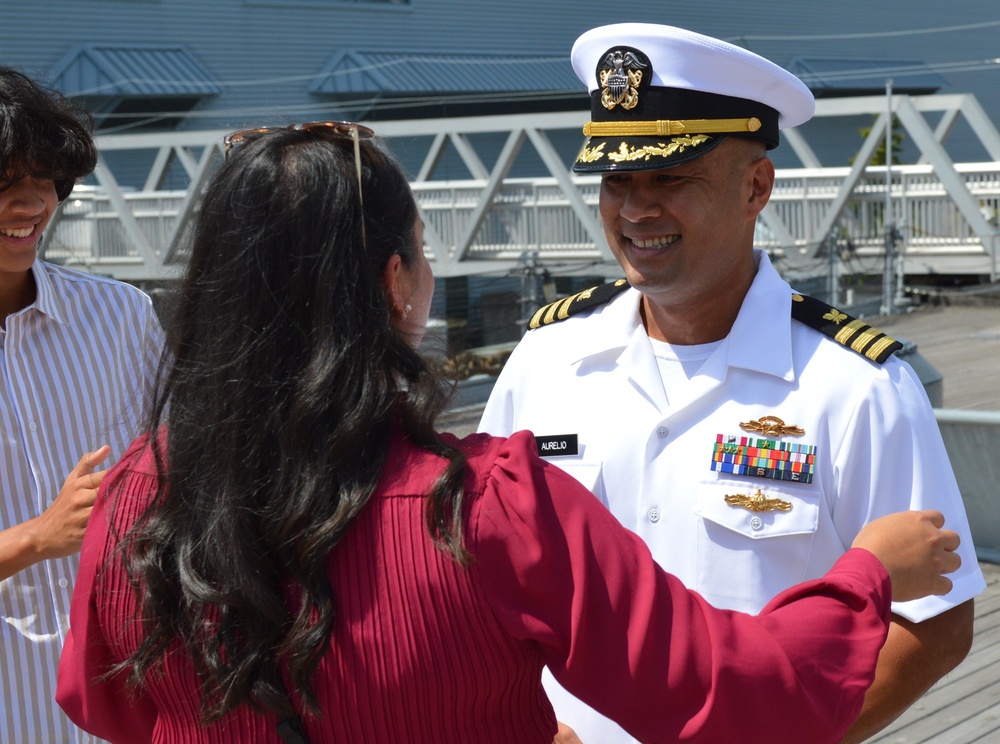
293 552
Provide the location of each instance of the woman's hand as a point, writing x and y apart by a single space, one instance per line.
566 735
915 551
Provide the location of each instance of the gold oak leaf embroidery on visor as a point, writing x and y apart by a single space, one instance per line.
590 155
758 502
625 153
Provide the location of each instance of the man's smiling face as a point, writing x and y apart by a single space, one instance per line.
679 232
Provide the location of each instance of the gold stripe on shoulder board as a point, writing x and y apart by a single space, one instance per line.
577 303
851 333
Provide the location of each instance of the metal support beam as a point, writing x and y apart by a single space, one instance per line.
801 148
942 130
861 161
944 168
187 160
510 150
982 126
104 176
159 169
582 211
199 177
441 260
468 154
432 158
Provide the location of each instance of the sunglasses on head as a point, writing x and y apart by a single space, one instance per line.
335 130
342 130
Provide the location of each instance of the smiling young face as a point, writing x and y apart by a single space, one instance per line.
26 206
684 235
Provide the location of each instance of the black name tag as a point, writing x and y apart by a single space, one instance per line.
557 445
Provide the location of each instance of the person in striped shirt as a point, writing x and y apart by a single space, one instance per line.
77 354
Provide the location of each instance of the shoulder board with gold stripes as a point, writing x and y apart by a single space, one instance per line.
850 332
585 300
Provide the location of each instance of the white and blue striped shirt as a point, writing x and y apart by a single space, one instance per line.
77 367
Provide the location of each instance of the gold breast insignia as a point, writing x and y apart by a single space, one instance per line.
759 502
772 426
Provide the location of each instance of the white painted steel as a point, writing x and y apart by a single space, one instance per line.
946 212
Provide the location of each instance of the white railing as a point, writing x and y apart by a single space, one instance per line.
973 439
923 211
536 215
944 213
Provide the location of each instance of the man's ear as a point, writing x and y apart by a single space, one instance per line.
761 183
391 283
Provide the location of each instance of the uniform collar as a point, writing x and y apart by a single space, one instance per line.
609 328
47 300
762 325
761 338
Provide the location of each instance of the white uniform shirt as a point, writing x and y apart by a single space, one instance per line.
76 368
878 449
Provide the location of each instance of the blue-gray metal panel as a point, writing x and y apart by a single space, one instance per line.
826 73
133 71
352 71
266 53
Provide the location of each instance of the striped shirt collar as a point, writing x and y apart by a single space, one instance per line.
47 300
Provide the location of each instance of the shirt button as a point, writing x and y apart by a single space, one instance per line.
33 426
63 583
653 514
756 523
662 431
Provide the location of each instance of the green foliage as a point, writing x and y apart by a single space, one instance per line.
898 138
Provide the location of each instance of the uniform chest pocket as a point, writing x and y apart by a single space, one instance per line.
754 541
757 510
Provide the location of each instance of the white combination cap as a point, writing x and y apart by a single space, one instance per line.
662 96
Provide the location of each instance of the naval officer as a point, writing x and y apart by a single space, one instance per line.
744 430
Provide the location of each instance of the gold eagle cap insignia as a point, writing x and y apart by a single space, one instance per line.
620 77
772 426
758 502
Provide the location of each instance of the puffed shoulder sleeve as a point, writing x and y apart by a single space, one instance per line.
96 703
632 642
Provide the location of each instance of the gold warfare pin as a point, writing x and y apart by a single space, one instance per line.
772 426
758 502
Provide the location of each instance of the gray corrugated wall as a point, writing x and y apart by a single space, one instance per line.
263 51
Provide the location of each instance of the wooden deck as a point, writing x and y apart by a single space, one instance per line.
963 343
964 707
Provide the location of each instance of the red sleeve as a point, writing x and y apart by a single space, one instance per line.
632 642
102 706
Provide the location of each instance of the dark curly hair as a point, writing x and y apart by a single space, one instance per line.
42 134
286 381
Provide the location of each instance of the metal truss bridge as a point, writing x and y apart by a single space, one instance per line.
943 214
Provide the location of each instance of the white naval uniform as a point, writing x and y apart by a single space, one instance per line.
647 452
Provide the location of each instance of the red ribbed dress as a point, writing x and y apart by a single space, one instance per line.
425 651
